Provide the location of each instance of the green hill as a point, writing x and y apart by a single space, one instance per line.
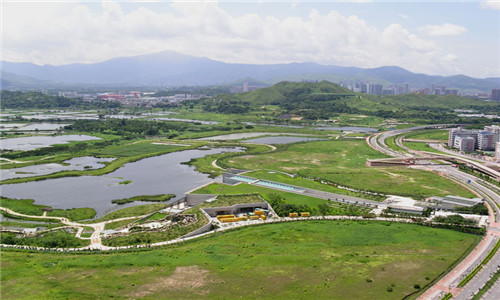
295 92
313 100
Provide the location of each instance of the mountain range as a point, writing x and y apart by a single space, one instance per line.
172 68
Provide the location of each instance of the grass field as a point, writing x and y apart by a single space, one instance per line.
131 212
314 259
421 147
26 206
430 134
343 162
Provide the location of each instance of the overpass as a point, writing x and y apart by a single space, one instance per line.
405 161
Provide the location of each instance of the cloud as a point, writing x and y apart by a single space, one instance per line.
62 33
403 16
491 5
442 30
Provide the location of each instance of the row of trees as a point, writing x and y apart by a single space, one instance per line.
20 100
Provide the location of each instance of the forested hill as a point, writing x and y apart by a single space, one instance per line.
19 100
286 92
313 100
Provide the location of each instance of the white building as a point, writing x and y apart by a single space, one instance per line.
486 140
460 132
464 143
497 151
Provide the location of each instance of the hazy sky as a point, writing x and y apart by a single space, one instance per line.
443 38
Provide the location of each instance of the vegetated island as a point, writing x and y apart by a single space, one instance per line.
145 198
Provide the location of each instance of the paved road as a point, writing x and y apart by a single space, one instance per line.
448 283
493 293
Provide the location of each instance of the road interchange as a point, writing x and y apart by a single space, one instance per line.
449 283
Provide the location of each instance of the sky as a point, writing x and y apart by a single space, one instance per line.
437 38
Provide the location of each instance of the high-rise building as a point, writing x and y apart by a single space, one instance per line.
465 143
486 140
460 132
497 151
493 129
495 94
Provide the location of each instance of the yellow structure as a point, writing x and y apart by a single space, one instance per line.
293 215
305 214
219 217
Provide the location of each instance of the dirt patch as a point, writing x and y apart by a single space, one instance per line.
292 168
185 279
316 162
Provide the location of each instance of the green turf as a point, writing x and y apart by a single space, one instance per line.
146 198
421 147
131 212
313 259
344 162
429 134
26 206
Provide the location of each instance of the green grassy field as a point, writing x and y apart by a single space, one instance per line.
314 259
131 212
421 147
26 206
430 134
146 198
343 162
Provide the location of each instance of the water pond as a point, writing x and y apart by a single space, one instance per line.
281 140
243 135
162 174
41 126
348 128
77 164
35 142
187 120
10 126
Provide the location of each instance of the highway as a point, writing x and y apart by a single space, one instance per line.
450 281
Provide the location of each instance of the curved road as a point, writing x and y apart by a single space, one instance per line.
450 281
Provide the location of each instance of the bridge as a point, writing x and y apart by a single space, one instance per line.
405 161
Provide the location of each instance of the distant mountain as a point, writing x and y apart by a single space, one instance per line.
172 68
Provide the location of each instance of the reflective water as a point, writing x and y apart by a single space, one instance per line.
151 176
281 140
349 128
41 126
243 135
10 126
77 163
187 120
35 142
